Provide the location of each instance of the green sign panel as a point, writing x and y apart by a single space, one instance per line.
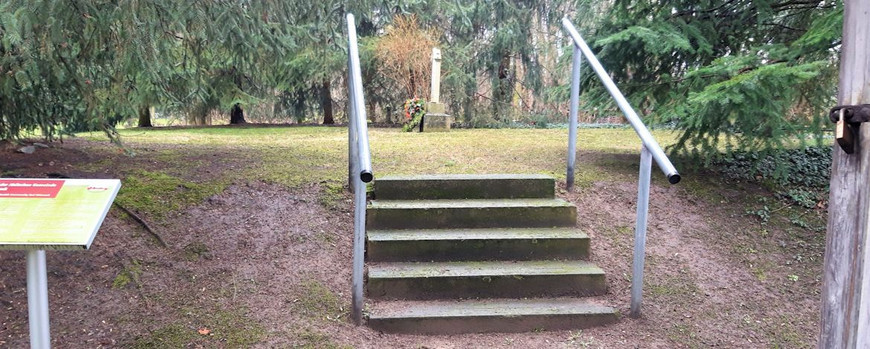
53 213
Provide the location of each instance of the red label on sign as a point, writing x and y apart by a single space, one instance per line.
28 188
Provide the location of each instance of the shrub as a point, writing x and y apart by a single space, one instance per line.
800 176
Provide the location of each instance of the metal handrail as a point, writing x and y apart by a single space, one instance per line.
650 150
359 163
357 103
642 131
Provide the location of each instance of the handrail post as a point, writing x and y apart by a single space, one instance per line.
359 224
572 119
359 203
359 166
643 184
650 150
351 130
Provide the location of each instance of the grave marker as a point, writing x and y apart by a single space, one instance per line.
436 118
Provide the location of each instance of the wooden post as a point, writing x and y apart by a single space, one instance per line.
845 321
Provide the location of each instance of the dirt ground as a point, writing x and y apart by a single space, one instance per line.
260 265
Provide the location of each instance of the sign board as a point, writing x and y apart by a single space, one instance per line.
53 213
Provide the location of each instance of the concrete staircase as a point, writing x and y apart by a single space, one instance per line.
478 253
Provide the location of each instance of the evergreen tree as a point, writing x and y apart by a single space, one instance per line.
758 72
752 74
70 65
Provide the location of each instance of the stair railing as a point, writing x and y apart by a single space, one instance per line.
359 163
650 150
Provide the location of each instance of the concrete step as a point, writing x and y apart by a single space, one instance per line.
465 186
476 244
500 315
440 214
492 279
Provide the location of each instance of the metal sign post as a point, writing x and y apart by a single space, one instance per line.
37 299
59 214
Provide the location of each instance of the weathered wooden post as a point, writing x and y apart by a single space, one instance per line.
845 321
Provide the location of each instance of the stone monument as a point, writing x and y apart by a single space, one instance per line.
436 118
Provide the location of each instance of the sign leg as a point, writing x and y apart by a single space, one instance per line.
37 299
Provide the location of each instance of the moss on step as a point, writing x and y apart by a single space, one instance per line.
470 214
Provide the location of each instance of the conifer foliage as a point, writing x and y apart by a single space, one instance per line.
74 65
746 74
753 74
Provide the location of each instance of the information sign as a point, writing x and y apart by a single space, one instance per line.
40 214
53 213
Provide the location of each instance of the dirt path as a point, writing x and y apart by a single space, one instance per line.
259 265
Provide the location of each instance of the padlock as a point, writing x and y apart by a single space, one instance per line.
844 134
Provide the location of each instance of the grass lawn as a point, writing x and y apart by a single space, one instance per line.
293 156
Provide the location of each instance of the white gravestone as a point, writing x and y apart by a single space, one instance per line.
436 118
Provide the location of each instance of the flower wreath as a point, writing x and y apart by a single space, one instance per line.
415 108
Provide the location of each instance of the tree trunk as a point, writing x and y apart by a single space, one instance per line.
372 107
299 96
145 116
237 115
326 103
389 115
502 94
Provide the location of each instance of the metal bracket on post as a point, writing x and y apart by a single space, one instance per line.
848 119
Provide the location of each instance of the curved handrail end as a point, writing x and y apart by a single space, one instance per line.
674 178
367 176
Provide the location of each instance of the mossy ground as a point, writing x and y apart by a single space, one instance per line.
128 274
179 177
206 329
317 301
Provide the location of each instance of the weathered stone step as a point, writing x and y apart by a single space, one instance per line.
439 214
465 186
476 244
500 315
492 279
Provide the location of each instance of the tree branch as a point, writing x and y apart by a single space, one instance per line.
143 223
